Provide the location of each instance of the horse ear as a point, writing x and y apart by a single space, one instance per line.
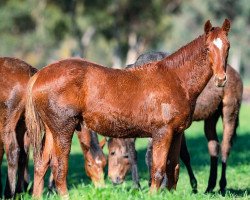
102 142
207 27
226 25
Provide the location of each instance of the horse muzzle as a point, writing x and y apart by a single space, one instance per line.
220 81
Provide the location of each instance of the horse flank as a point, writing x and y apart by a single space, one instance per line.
35 126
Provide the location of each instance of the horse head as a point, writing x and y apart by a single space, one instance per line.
218 47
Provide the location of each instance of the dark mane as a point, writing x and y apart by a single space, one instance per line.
185 53
94 146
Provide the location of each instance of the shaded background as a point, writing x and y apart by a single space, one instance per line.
115 32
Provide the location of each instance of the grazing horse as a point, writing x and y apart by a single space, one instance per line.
14 77
95 160
155 100
122 157
212 103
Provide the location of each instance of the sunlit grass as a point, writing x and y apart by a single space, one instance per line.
238 179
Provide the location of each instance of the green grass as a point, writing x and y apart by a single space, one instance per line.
238 179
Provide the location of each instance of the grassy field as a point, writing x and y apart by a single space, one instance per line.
238 178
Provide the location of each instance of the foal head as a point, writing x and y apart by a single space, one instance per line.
95 160
118 160
218 48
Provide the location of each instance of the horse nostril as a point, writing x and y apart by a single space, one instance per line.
118 180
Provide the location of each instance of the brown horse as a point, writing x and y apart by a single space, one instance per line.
156 100
212 103
122 157
95 160
14 77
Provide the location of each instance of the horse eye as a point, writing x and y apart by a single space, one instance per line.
125 156
89 164
112 153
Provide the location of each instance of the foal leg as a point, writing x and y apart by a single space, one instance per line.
213 148
133 153
173 166
12 154
185 157
1 159
161 144
230 123
41 163
148 159
60 157
23 141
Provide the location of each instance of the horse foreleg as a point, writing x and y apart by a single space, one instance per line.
185 157
148 159
134 168
173 166
161 144
213 148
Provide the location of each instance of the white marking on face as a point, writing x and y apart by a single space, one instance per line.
98 161
218 42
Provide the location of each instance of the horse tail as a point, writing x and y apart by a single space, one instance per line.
35 126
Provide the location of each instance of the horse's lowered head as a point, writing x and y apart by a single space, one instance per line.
119 162
218 47
95 160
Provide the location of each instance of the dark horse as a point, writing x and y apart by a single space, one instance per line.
155 100
14 77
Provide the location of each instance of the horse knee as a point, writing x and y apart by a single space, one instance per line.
213 148
158 176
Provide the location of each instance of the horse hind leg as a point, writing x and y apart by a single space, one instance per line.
24 143
59 162
185 157
41 163
12 150
230 123
213 148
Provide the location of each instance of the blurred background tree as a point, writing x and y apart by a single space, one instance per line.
115 32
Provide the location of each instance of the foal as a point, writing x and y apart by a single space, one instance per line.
212 103
138 102
14 77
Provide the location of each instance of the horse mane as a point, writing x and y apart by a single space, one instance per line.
185 53
178 58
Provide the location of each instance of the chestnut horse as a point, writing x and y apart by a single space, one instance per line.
212 103
14 77
122 157
95 160
155 100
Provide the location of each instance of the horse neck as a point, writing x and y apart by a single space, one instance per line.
191 66
94 144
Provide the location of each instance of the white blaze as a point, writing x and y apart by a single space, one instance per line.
218 43
98 161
